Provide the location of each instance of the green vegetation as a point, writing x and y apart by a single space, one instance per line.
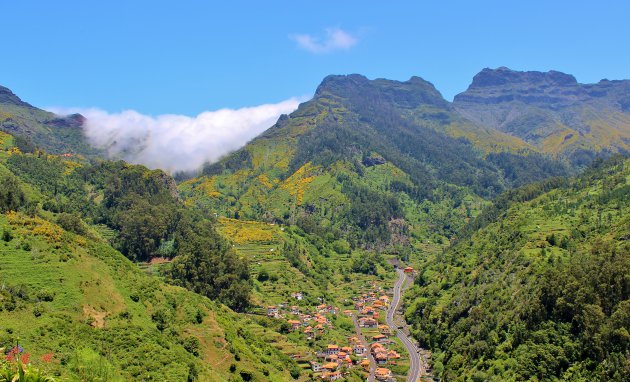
538 289
368 162
67 292
35 128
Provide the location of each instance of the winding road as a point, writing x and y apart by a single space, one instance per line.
415 366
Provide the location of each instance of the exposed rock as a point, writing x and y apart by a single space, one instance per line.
7 97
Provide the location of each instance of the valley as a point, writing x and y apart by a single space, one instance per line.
378 232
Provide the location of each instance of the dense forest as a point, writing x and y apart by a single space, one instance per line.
138 209
537 288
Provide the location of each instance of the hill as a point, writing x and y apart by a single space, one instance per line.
536 288
37 128
551 111
376 162
84 311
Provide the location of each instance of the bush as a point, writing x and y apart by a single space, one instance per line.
71 223
7 236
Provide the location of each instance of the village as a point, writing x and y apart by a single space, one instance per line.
373 349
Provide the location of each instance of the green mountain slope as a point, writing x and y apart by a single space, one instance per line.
42 129
551 111
374 161
537 289
64 290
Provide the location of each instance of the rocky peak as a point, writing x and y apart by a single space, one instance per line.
7 97
505 76
407 94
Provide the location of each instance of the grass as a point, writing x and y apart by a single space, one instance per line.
63 293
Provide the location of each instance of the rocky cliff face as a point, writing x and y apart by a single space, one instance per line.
551 110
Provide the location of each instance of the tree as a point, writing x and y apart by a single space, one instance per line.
11 194
207 265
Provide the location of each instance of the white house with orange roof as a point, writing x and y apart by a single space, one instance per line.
332 349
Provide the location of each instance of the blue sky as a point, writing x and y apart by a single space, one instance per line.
186 57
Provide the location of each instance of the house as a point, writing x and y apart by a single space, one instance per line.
346 349
365 364
384 299
347 312
381 357
308 331
383 374
359 349
295 310
272 311
295 324
331 376
297 295
408 270
332 349
316 366
368 311
330 366
332 357
367 322
385 330
379 338
392 354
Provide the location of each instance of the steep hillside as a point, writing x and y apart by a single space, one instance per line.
377 162
34 127
551 111
538 287
84 311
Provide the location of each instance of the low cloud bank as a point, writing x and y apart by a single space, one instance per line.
177 142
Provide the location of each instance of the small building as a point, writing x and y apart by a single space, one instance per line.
367 322
310 334
332 349
379 338
272 311
330 366
359 349
381 358
408 270
383 374
331 376
295 324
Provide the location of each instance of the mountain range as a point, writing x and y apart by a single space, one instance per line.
511 202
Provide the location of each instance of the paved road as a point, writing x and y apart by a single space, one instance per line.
357 328
415 367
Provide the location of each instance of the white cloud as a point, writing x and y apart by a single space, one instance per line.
336 39
178 142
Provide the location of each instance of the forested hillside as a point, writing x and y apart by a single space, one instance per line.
84 311
537 288
376 162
